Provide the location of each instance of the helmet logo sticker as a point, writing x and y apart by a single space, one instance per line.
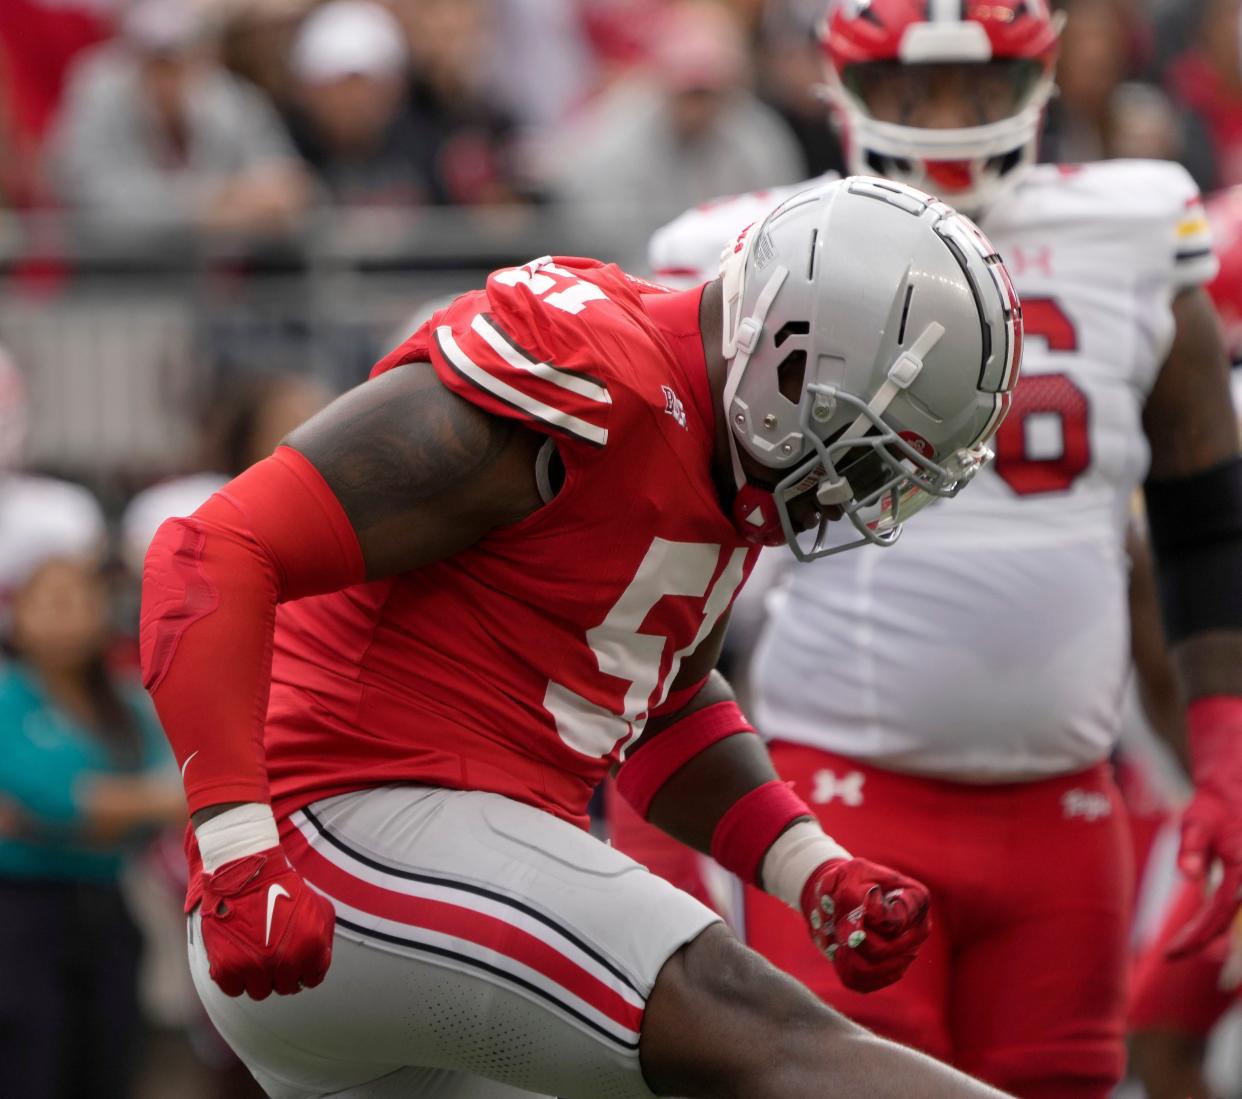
918 443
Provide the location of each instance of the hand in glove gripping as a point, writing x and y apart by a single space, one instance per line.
264 928
1212 823
869 920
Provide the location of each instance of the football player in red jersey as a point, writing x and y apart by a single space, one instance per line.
395 658
957 716
1176 1002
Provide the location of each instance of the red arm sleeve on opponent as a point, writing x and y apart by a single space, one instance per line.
210 587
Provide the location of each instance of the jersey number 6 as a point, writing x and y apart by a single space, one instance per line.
1044 445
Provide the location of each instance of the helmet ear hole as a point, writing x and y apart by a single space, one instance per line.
791 328
791 375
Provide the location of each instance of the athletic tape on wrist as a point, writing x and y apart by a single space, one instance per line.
798 851
236 833
644 773
750 826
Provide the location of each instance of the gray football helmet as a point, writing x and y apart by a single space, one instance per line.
873 340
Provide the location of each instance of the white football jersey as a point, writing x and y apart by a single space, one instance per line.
992 640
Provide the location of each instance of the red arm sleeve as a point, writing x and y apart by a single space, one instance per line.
210 587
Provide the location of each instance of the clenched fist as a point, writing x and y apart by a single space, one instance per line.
869 920
264 928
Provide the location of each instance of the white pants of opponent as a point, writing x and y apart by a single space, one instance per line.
484 950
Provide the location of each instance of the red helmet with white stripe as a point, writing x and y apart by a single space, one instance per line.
946 95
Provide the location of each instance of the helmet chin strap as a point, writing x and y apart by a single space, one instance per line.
740 338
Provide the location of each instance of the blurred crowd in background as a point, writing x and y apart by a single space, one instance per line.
281 183
158 121
214 215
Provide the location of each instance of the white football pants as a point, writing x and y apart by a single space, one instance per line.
484 950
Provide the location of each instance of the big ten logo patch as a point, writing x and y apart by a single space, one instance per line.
1089 805
829 786
673 406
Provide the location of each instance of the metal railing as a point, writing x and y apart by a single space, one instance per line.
119 340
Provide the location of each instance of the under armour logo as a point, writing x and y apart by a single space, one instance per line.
673 406
848 788
1088 804
1035 261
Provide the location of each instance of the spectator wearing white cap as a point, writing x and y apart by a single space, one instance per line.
86 777
351 121
156 139
387 111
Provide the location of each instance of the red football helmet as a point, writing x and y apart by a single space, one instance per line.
894 63
1224 211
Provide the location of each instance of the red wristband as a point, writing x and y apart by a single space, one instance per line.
752 824
643 774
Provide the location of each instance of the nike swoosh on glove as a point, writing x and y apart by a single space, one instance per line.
869 920
1212 822
264 929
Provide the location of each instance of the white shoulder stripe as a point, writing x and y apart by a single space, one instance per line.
574 383
484 379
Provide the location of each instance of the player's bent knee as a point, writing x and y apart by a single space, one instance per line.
720 1016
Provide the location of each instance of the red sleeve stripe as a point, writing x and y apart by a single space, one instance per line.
500 342
502 391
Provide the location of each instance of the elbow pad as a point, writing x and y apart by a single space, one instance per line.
211 584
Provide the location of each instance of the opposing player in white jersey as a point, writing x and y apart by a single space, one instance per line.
950 706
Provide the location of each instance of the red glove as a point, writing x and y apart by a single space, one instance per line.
868 919
1212 823
264 928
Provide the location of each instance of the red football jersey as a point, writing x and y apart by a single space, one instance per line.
525 664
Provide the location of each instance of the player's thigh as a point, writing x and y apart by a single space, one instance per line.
724 1021
1039 992
474 935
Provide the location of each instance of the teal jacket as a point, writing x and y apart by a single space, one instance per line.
45 756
